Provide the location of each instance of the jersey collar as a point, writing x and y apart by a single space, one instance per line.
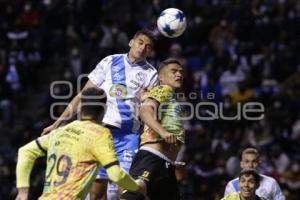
139 64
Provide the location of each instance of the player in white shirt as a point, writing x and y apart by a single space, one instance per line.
268 187
122 77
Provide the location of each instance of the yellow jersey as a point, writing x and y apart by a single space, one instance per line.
169 115
74 154
236 196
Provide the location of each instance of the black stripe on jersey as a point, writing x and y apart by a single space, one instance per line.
40 146
111 164
153 100
153 142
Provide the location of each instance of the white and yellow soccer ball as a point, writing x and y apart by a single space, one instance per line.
171 22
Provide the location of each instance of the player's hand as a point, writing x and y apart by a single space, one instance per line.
169 137
142 186
49 129
22 194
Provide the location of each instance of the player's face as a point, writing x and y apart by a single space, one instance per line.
172 75
249 160
140 47
247 186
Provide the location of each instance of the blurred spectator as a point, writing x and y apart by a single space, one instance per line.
114 40
230 78
243 94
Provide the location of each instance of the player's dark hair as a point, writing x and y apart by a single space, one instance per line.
146 32
166 62
248 172
250 151
93 102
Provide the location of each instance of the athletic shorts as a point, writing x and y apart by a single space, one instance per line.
158 174
126 146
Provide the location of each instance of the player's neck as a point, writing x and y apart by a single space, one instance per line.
88 118
249 198
134 60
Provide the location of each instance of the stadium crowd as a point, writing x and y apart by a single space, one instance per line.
234 51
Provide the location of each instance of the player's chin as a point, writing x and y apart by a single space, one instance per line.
178 84
140 55
246 194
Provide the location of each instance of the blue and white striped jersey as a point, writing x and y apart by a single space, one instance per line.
122 82
268 188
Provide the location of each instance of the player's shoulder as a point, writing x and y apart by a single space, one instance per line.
161 93
267 178
110 58
162 88
107 58
99 129
150 67
233 183
232 196
91 127
234 180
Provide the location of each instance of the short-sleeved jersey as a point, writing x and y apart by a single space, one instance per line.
268 188
123 81
75 153
169 114
236 196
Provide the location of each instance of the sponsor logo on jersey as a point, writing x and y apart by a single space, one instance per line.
116 68
118 76
118 91
135 83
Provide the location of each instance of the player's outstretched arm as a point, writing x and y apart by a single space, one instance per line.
69 111
148 116
123 179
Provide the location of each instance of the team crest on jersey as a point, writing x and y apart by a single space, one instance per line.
140 76
118 91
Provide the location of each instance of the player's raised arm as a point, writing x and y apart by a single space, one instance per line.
69 111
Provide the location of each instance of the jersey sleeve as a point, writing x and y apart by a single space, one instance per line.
153 80
27 155
230 188
161 93
122 178
277 193
97 76
234 196
104 151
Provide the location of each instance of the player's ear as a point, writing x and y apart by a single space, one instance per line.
130 43
160 77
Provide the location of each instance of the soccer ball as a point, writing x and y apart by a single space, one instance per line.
171 22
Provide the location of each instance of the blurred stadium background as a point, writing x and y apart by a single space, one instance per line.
238 50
